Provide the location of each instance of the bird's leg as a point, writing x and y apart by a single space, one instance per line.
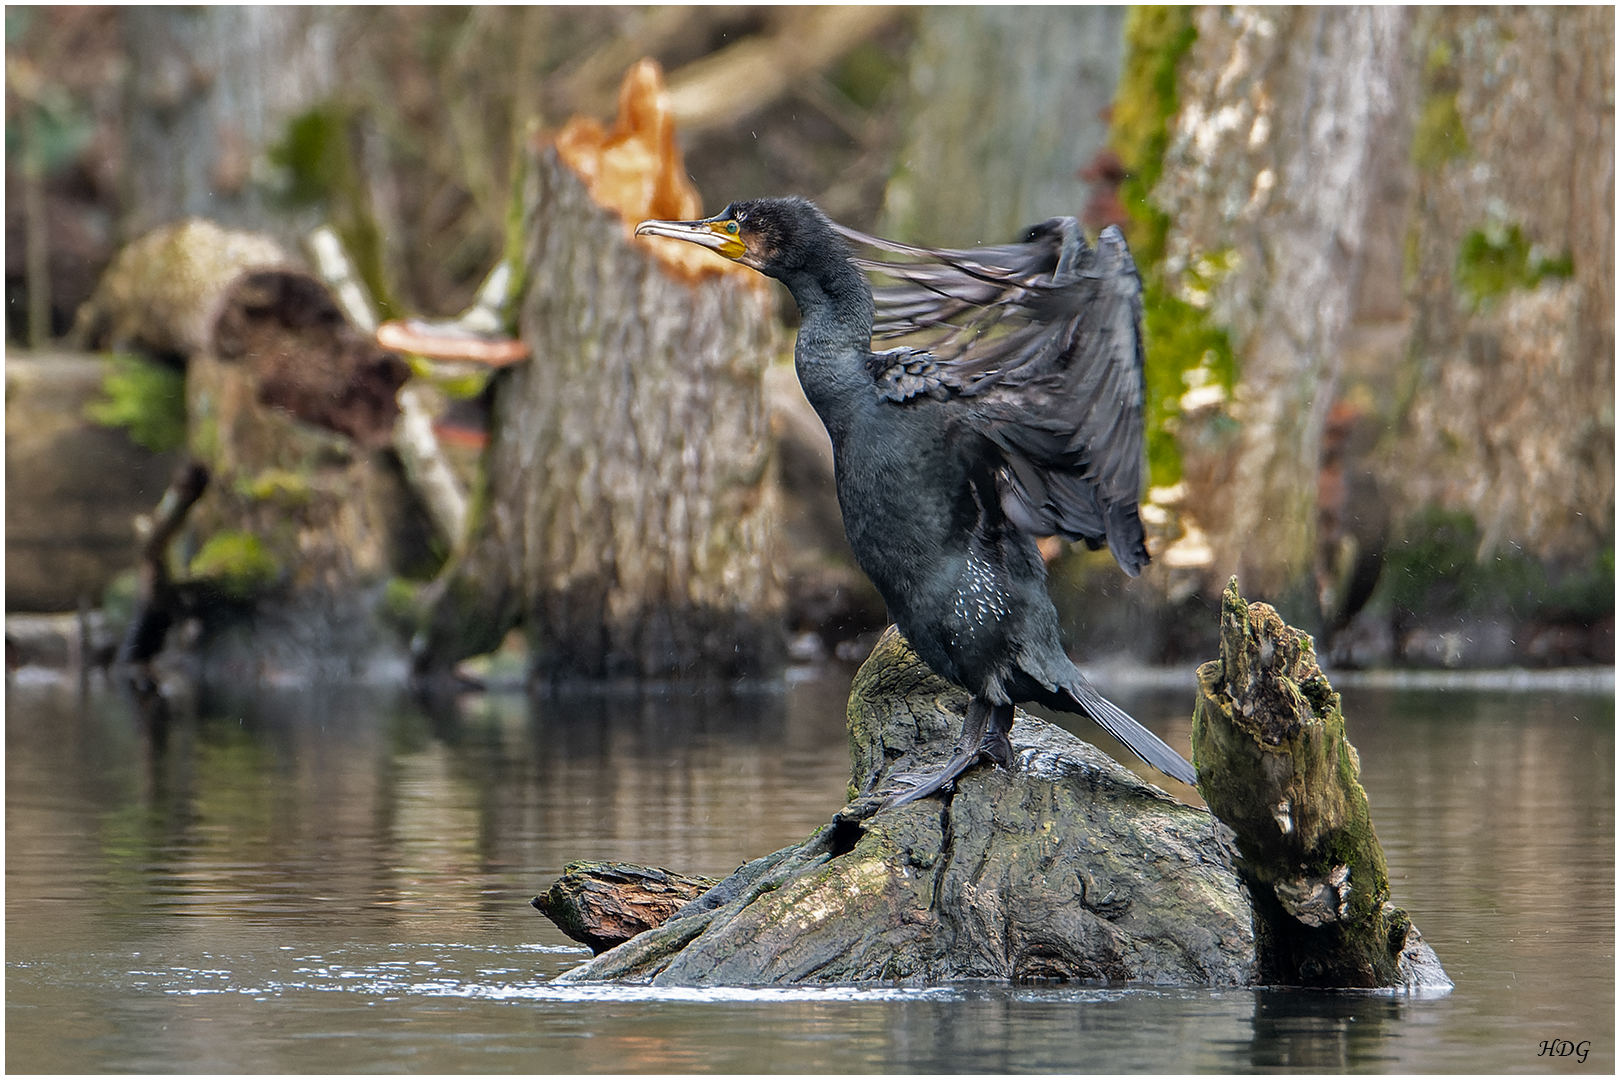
997 746
977 737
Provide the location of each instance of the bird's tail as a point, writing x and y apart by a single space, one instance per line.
1138 739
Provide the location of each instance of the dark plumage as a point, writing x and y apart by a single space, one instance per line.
1014 411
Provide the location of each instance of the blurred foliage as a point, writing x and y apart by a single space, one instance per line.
147 398
1437 568
235 563
52 125
118 600
1185 347
312 155
866 74
1498 258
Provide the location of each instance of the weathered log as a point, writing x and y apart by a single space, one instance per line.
627 520
1274 764
607 904
1069 866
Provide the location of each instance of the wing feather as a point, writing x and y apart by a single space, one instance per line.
1041 341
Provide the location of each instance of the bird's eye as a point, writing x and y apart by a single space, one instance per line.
731 227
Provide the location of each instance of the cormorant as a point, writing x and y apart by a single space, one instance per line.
1017 414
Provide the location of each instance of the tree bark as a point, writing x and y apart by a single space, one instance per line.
1267 182
210 90
628 520
1510 365
607 904
1006 106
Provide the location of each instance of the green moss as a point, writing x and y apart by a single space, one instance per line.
236 563
316 158
280 486
1498 259
460 381
1156 39
312 155
147 398
1439 136
399 607
1185 347
118 600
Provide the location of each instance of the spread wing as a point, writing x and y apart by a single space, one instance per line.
1041 342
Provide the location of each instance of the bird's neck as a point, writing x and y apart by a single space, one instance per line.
835 336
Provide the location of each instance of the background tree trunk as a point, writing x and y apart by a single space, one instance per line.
1508 370
1389 214
1006 105
628 519
210 90
1266 186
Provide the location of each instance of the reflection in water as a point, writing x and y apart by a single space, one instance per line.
337 878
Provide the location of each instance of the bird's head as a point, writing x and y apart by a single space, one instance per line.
769 235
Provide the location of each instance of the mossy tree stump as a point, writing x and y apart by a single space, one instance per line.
1274 764
290 409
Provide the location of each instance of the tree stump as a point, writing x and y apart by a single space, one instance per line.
1068 866
291 409
1274 764
627 520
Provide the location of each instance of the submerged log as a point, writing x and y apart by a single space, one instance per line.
1274 764
1068 866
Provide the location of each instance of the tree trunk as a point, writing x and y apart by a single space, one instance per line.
1510 358
628 519
1399 218
1007 105
210 90
1266 183
1274 764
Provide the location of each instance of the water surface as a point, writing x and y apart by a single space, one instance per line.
337 880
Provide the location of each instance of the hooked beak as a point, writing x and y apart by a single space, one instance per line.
717 233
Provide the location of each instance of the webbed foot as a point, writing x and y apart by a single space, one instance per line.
984 735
